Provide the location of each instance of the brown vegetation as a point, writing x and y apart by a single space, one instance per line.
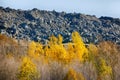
56 61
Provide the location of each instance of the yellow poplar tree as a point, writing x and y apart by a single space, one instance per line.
27 70
35 50
73 75
31 49
39 50
56 49
71 50
60 39
53 40
79 46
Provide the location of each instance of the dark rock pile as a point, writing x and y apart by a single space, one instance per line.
38 25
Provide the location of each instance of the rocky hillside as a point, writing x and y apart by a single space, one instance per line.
38 25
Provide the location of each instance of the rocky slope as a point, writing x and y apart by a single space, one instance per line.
38 25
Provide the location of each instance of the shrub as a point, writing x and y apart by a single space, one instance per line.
103 69
73 75
27 70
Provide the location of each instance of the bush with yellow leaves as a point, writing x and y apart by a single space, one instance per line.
103 69
73 75
27 70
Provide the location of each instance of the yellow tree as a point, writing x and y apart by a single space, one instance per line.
60 39
27 70
73 75
39 50
56 50
71 51
31 49
53 40
35 50
79 46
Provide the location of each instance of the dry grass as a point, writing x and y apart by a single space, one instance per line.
8 68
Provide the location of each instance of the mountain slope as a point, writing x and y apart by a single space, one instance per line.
38 25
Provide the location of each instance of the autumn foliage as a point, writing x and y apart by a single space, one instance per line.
59 61
27 70
73 75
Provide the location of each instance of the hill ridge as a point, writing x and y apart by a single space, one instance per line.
38 25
